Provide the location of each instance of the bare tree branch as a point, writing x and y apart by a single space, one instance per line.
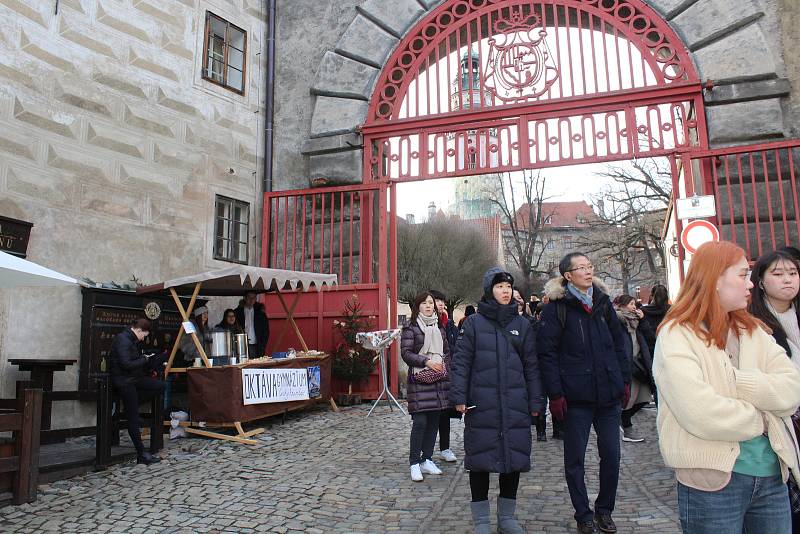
626 236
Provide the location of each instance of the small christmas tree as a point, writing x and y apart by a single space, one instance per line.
351 362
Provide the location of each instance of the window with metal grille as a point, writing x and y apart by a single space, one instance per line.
232 223
568 242
225 52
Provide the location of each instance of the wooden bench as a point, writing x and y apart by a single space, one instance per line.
25 422
110 421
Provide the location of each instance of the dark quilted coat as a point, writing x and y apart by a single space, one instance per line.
502 381
585 360
424 397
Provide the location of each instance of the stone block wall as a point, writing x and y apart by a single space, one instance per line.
113 145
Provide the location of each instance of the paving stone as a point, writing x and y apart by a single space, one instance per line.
335 473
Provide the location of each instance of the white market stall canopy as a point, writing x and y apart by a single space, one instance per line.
234 281
230 282
16 272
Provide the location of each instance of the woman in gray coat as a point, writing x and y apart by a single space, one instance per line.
496 383
424 348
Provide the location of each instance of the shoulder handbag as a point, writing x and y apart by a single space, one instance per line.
426 375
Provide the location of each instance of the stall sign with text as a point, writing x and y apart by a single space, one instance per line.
260 386
314 382
14 236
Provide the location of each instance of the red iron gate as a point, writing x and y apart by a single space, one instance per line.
485 86
756 192
331 230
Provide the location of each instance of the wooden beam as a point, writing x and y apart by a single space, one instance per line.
10 421
217 435
9 464
248 434
289 313
185 316
290 318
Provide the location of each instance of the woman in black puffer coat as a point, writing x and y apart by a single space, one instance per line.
495 381
423 346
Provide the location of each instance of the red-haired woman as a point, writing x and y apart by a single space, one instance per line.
727 393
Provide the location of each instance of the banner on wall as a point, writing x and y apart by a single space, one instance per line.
260 386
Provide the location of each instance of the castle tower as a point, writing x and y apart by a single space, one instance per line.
473 147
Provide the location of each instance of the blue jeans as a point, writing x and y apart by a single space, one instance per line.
578 424
747 505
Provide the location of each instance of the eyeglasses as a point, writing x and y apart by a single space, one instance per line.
583 268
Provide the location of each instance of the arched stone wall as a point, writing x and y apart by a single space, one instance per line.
740 49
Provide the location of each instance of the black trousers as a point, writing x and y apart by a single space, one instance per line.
479 485
628 414
424 426
444 430
580 420
134 391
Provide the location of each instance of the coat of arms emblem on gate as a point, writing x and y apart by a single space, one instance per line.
520 64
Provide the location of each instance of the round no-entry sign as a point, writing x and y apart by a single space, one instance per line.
696 233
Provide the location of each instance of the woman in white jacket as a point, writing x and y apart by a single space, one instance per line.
727 391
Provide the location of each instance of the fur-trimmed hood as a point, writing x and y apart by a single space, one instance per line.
556 288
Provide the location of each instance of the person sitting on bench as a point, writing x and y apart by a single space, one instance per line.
127 375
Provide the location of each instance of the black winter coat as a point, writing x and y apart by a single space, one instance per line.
126 360
261 326
501 379
653 316
424 397
585 361
451 331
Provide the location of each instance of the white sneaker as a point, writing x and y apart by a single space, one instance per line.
416 473
430 468
448 456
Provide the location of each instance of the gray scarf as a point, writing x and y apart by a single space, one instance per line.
433 343
584 298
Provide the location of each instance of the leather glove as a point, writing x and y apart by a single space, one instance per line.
558 407
626 397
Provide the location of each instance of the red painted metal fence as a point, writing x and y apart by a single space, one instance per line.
756 191
611 129
330 230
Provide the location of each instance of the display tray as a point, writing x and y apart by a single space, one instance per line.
216 395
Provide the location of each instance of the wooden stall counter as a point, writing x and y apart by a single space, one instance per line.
216 395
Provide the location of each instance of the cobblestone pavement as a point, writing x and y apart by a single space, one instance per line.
331 472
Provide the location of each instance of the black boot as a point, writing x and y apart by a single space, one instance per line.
558 432
146 458
541 427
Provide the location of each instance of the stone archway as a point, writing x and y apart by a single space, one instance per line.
735 49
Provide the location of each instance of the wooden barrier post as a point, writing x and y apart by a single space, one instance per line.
102 455
157 424
26 480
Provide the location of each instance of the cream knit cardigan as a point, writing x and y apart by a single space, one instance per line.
706 406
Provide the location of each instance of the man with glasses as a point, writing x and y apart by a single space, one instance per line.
586 374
